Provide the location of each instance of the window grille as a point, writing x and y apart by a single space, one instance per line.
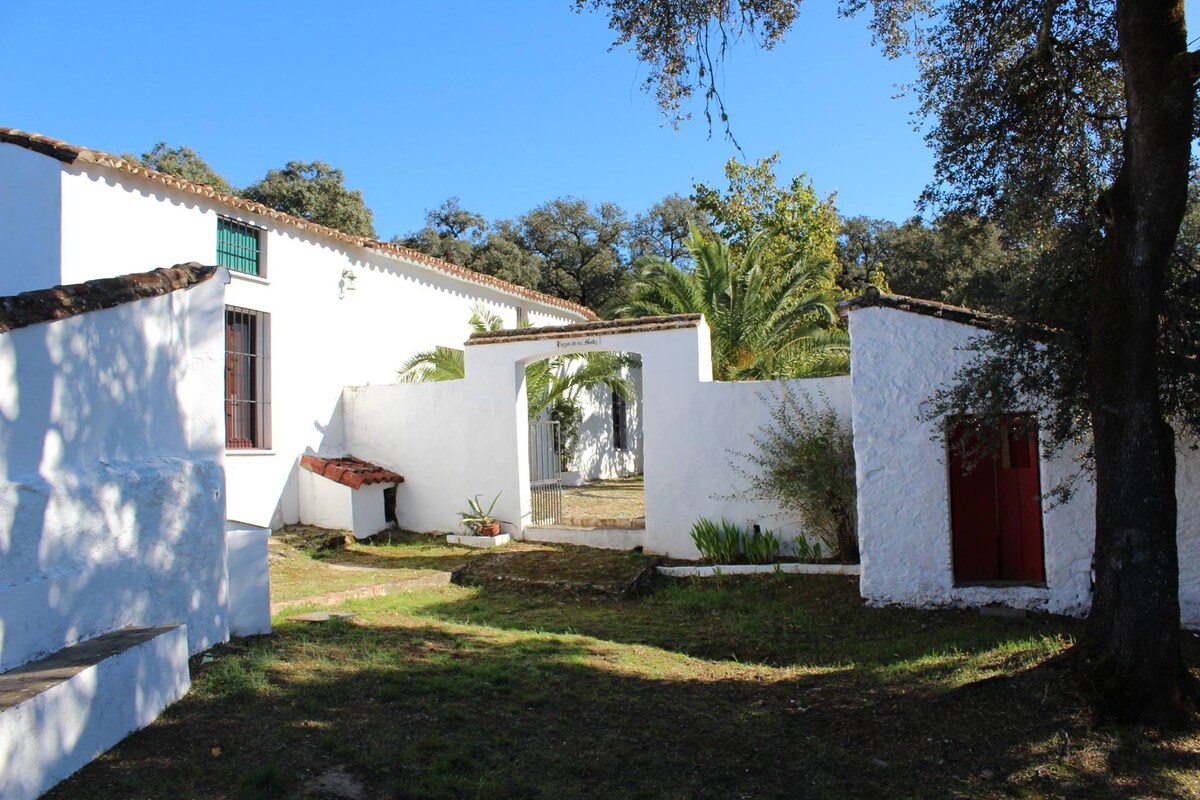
620 426
247 402
237 246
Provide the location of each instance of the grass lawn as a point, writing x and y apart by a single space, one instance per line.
752 688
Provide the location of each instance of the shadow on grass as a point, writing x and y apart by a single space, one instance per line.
433 711
811 621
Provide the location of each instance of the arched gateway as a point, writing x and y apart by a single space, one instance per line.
676 359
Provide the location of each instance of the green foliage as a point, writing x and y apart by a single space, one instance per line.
803 462
807 552
662 231
547 382
569 416
182 162
316 192
788 223
451 233
765 322
726 542
475 517
957 259
578 249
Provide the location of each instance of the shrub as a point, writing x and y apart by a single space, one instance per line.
804 462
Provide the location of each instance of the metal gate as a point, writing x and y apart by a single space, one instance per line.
545 462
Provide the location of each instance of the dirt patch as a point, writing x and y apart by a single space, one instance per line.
620 498
564 568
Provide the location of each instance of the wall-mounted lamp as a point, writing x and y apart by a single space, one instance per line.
347 284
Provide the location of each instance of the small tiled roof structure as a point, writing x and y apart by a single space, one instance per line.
71 154
585 329
60 302
930 308
350 471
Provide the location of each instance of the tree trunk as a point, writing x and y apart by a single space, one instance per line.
1133 637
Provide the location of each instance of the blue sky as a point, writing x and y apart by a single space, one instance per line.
505 104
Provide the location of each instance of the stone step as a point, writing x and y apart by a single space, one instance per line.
60 712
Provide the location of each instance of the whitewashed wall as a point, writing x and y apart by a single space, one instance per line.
30 232
111 484
595 455
456 439
321 337
898 360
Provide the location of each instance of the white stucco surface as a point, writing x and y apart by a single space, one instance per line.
457 439
249 579
48 737
898 360
328 504
595 455
72 223
111 483
30 219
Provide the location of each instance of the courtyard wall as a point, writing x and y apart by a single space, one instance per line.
112 492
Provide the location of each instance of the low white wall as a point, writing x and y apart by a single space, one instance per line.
249 580
455 439
721 419
898 360
112 493
48 737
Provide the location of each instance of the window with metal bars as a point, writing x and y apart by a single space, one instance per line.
247 402
237 246
620 426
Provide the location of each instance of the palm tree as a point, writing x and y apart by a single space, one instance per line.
549 381
767 321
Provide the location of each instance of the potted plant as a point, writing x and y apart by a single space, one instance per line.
478 521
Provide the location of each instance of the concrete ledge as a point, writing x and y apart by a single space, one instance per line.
603 538
760 569
60 712
478 541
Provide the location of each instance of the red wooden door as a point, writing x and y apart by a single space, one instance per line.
995 502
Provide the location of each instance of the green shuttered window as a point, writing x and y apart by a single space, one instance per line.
237 246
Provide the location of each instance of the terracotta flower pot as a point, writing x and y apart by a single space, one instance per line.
490 529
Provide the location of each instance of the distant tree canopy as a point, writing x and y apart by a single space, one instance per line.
663 229
182 162
957 260
317 192
588 253
791 220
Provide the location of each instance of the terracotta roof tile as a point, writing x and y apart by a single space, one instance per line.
930 308
585 329
349 471
60 302
70 154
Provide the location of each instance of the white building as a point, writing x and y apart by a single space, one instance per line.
309 310
115 562
933 533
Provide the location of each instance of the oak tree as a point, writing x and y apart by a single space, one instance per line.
316 192
1069 125
182 162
